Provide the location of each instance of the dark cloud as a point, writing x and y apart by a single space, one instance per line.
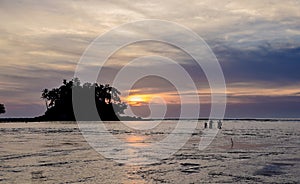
276 109
276 67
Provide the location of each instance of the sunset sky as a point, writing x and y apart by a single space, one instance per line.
257 43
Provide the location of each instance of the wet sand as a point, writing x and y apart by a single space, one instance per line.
56 152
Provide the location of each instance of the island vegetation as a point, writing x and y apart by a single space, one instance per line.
59 101
2 109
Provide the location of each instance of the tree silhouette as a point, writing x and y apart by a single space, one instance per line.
59 101
2 109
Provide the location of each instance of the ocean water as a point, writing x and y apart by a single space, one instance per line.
63 152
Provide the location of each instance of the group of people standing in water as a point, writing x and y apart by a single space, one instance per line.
210 124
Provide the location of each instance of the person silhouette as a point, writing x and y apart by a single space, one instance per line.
219 124
205 124
210 124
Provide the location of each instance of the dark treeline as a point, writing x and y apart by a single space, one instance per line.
59 102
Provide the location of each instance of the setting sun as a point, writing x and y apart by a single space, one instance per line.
137 100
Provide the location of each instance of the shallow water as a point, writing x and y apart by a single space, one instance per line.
57 152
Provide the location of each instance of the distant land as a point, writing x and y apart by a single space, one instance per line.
39 119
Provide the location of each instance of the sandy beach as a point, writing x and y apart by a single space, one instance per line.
56 152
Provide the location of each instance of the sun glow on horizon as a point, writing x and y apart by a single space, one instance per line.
137 100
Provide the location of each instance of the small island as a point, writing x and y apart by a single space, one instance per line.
59 103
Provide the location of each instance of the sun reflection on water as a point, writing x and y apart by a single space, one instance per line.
136 140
